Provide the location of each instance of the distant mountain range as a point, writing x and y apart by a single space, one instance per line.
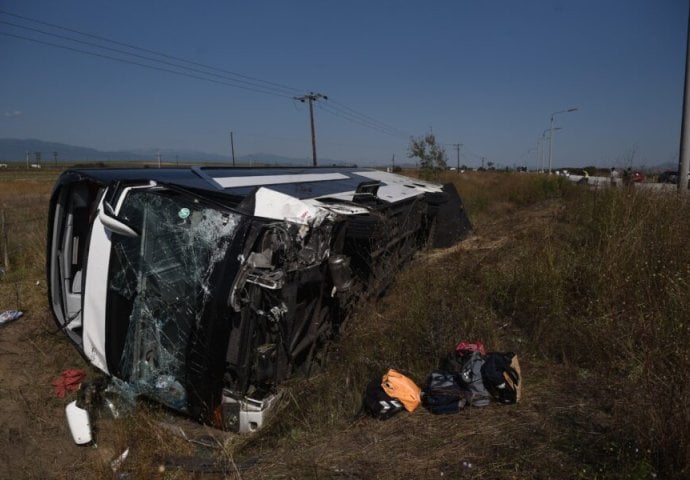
13 150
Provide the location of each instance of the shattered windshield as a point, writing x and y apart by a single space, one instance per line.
159 284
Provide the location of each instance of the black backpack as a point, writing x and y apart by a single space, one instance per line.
378 403
442 393
467 367
501 374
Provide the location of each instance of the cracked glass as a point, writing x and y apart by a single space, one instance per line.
161 283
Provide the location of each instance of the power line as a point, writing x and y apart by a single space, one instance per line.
143 57
465 151
368 118
132 62
244 82
469 151
286 88
342 114
339 111
379 126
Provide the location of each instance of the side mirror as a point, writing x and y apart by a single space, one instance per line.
79 424
111 222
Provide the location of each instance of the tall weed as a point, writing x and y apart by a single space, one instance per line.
611 297
487 193
600 286
23 214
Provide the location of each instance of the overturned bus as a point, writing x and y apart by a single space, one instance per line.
204 288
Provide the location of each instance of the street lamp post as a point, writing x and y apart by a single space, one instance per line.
574 109
540 146
542 154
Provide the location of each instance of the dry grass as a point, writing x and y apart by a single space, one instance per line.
23 217
589 288
528 281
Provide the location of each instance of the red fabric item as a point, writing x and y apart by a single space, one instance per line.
68 381
470 347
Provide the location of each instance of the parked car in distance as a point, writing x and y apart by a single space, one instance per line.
670 176
638 177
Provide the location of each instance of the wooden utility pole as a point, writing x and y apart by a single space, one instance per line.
457 149
312 97
4 239
232 148
683 167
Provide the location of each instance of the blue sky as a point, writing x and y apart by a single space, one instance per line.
487 74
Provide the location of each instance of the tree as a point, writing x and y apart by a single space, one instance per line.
431 155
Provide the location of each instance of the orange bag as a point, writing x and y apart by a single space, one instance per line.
400 387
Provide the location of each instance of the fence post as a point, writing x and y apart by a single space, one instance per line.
3 232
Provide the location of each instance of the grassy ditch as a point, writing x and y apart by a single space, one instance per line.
589 287
616 287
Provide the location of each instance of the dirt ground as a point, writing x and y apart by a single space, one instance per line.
34 439
35 442
555 432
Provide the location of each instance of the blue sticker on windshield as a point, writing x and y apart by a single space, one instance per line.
183 213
